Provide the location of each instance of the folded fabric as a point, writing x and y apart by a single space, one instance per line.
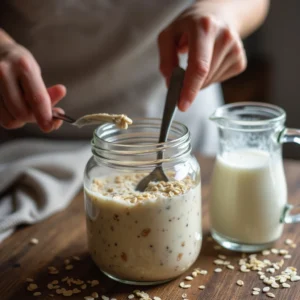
37 179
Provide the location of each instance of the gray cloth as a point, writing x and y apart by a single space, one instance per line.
37 179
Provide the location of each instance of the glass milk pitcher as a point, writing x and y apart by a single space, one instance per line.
248 196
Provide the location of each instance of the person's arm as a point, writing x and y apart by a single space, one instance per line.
23 94
210 31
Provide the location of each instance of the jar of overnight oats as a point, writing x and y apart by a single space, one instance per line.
142 237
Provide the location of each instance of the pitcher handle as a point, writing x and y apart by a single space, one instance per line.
290 135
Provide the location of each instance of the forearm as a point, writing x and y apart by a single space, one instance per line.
245 15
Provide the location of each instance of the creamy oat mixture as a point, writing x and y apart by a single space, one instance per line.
122 121
143 236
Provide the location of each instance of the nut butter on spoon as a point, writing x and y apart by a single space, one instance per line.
122 121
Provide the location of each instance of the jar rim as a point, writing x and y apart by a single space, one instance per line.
137 146
138 122
248 115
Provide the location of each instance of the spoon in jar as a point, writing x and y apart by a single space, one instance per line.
169 111
122 121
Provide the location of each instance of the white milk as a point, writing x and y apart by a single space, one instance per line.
248 195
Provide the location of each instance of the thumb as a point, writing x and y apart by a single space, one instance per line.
56 93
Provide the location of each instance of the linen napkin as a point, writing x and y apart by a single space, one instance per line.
37 179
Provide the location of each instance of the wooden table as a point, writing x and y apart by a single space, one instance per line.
63 236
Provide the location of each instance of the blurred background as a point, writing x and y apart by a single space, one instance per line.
273 73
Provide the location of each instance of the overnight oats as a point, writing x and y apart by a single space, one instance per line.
142 237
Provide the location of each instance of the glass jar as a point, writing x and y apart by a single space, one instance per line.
142 237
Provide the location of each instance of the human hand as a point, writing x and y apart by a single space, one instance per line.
23 95
215 50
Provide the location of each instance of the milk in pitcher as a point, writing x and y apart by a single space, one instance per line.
248 195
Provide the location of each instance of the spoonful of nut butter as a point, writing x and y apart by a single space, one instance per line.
121 121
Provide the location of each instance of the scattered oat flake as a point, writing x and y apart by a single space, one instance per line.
76 258
218 270
201 287
131 296
83 287
217 247
244 269
283 251
194 274
295 278
31 287
29 280
266 289
69 267
91 298
218 262
34 241
286 285
67 293
231 267
271 295
256 289
293 245
221 256
156 298
94 283
184 295
95 295
103 298
240 282
37 294
254 293
288 242
189 278
287 256
184 286
203 272
274 251
266 252
275 285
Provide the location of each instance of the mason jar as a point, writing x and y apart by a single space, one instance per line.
142 237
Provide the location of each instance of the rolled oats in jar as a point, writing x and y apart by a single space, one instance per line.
142 237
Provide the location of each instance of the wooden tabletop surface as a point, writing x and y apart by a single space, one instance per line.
63 236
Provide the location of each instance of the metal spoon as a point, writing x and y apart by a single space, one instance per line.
169 111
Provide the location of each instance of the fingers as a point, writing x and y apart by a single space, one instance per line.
234 63
10 90
36 95
222 47
56 93
57 123
24 95
201 43
167 53
6 119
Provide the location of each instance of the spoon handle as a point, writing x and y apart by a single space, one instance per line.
171 104
57 115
